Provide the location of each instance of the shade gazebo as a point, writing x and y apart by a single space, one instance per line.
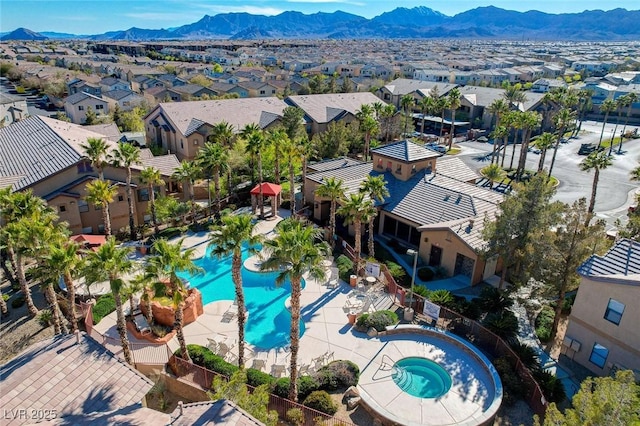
271 190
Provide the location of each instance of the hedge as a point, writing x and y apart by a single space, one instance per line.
104 306
205 358
321 401
338 374
379 320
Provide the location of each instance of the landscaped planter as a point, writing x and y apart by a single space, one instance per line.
165 315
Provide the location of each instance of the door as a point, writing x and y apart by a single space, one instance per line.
435 257
464 266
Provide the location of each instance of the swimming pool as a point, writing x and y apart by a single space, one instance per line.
269 322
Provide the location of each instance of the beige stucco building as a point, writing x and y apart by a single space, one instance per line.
603 332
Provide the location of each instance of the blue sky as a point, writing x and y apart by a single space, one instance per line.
98 16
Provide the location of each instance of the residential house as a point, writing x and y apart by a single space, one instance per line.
125 99
544 85
434 205
436 75
155 95
258 89
182 127
393 91
45 155
603 333
79 86
188 92
12 109
77 105
112 83
320 110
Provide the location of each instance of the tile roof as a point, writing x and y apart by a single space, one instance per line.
623 259
119 94
75 379
405 151
81 96
110 130
324 108
334 163
38 147
237 112
220 412
403 86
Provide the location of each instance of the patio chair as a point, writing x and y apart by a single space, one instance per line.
277 370
141 324
306 369
331 284
328 356
212 345
230 313
224 349
367 305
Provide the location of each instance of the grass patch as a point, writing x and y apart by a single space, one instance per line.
163 300
454 151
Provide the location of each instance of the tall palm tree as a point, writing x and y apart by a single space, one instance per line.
333 189
188 172
453 97
100 193
229 239
406 102
63 260
59 327
214 159
561 120
606 108
127 155
517 123
387 115
595 161
306 152
223 134
355 208
245 133
96 150
543 143
498 108
255 146
376 187
426 105
493 173
508 121
368 126
110 262
530 121
621 104
584 104
150 176
294 252
276 138
167 260
48 273
632 98
441 106
499 134
291 150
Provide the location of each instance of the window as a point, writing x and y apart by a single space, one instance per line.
614 311
398 169
262 92
99 107
413 169
599 355
80 108
143 194
181 144
379 163
120 197
83 206
389 165
62 209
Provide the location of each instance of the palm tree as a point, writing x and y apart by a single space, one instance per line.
596 161
291 150
606 107
530 121
517 123
59 326
214 158
306 151
406 102
63 260
229 239
355 208
562 119
498 108
621 103
96 150
499 134
165 263
368 125
376 188
493 173
584 103
441 106
543 143
454 103
255 146
222 133
294 252
110 262
426 105
632 98
276 138
245 133
509 119
188 172
150 176
388 112
333 189
125 156
100 193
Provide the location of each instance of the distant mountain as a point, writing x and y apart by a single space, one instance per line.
419 22
23 34
51 34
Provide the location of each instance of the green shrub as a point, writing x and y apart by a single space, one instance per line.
379 320
160 330
503 324
397 272
544 334
442 298
494 300
6 297
256 378
526 354
337 375
295 416
103 307
552 387
421 291
17 302
566 305
345 267
281 388
306 385
514 388
544 323
470 310
426 274
44 317
205 358
321 401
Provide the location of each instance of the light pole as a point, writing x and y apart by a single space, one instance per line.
413 253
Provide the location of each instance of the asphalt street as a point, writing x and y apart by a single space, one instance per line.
615 191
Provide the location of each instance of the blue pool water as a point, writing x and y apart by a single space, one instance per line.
269 322
421 377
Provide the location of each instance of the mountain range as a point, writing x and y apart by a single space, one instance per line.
419 22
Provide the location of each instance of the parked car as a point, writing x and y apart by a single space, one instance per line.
588 148
435 147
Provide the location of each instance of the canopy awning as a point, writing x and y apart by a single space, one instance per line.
268 189
91 240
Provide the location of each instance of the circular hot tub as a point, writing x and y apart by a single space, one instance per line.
421 377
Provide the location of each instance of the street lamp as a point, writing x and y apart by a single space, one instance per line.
414 253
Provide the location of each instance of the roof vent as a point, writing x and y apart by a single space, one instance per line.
459 199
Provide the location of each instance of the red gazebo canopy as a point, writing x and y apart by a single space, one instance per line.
268 189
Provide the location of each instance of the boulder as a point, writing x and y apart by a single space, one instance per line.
353 402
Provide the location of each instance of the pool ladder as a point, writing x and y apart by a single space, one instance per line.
404 381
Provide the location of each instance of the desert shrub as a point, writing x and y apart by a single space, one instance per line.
256 378
306 385
503 324
103 307
205 358
44 317
494 300
552 387
338 374
514 388
295 416
566 305
442 298
321 401
345 267
160 330
17 302
397 272
527 355
470 310
426 274
421 291
544 323
378 320
6 297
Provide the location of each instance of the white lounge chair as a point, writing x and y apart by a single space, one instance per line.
230 313
367 305
224 349
277 370
142 325
259 364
